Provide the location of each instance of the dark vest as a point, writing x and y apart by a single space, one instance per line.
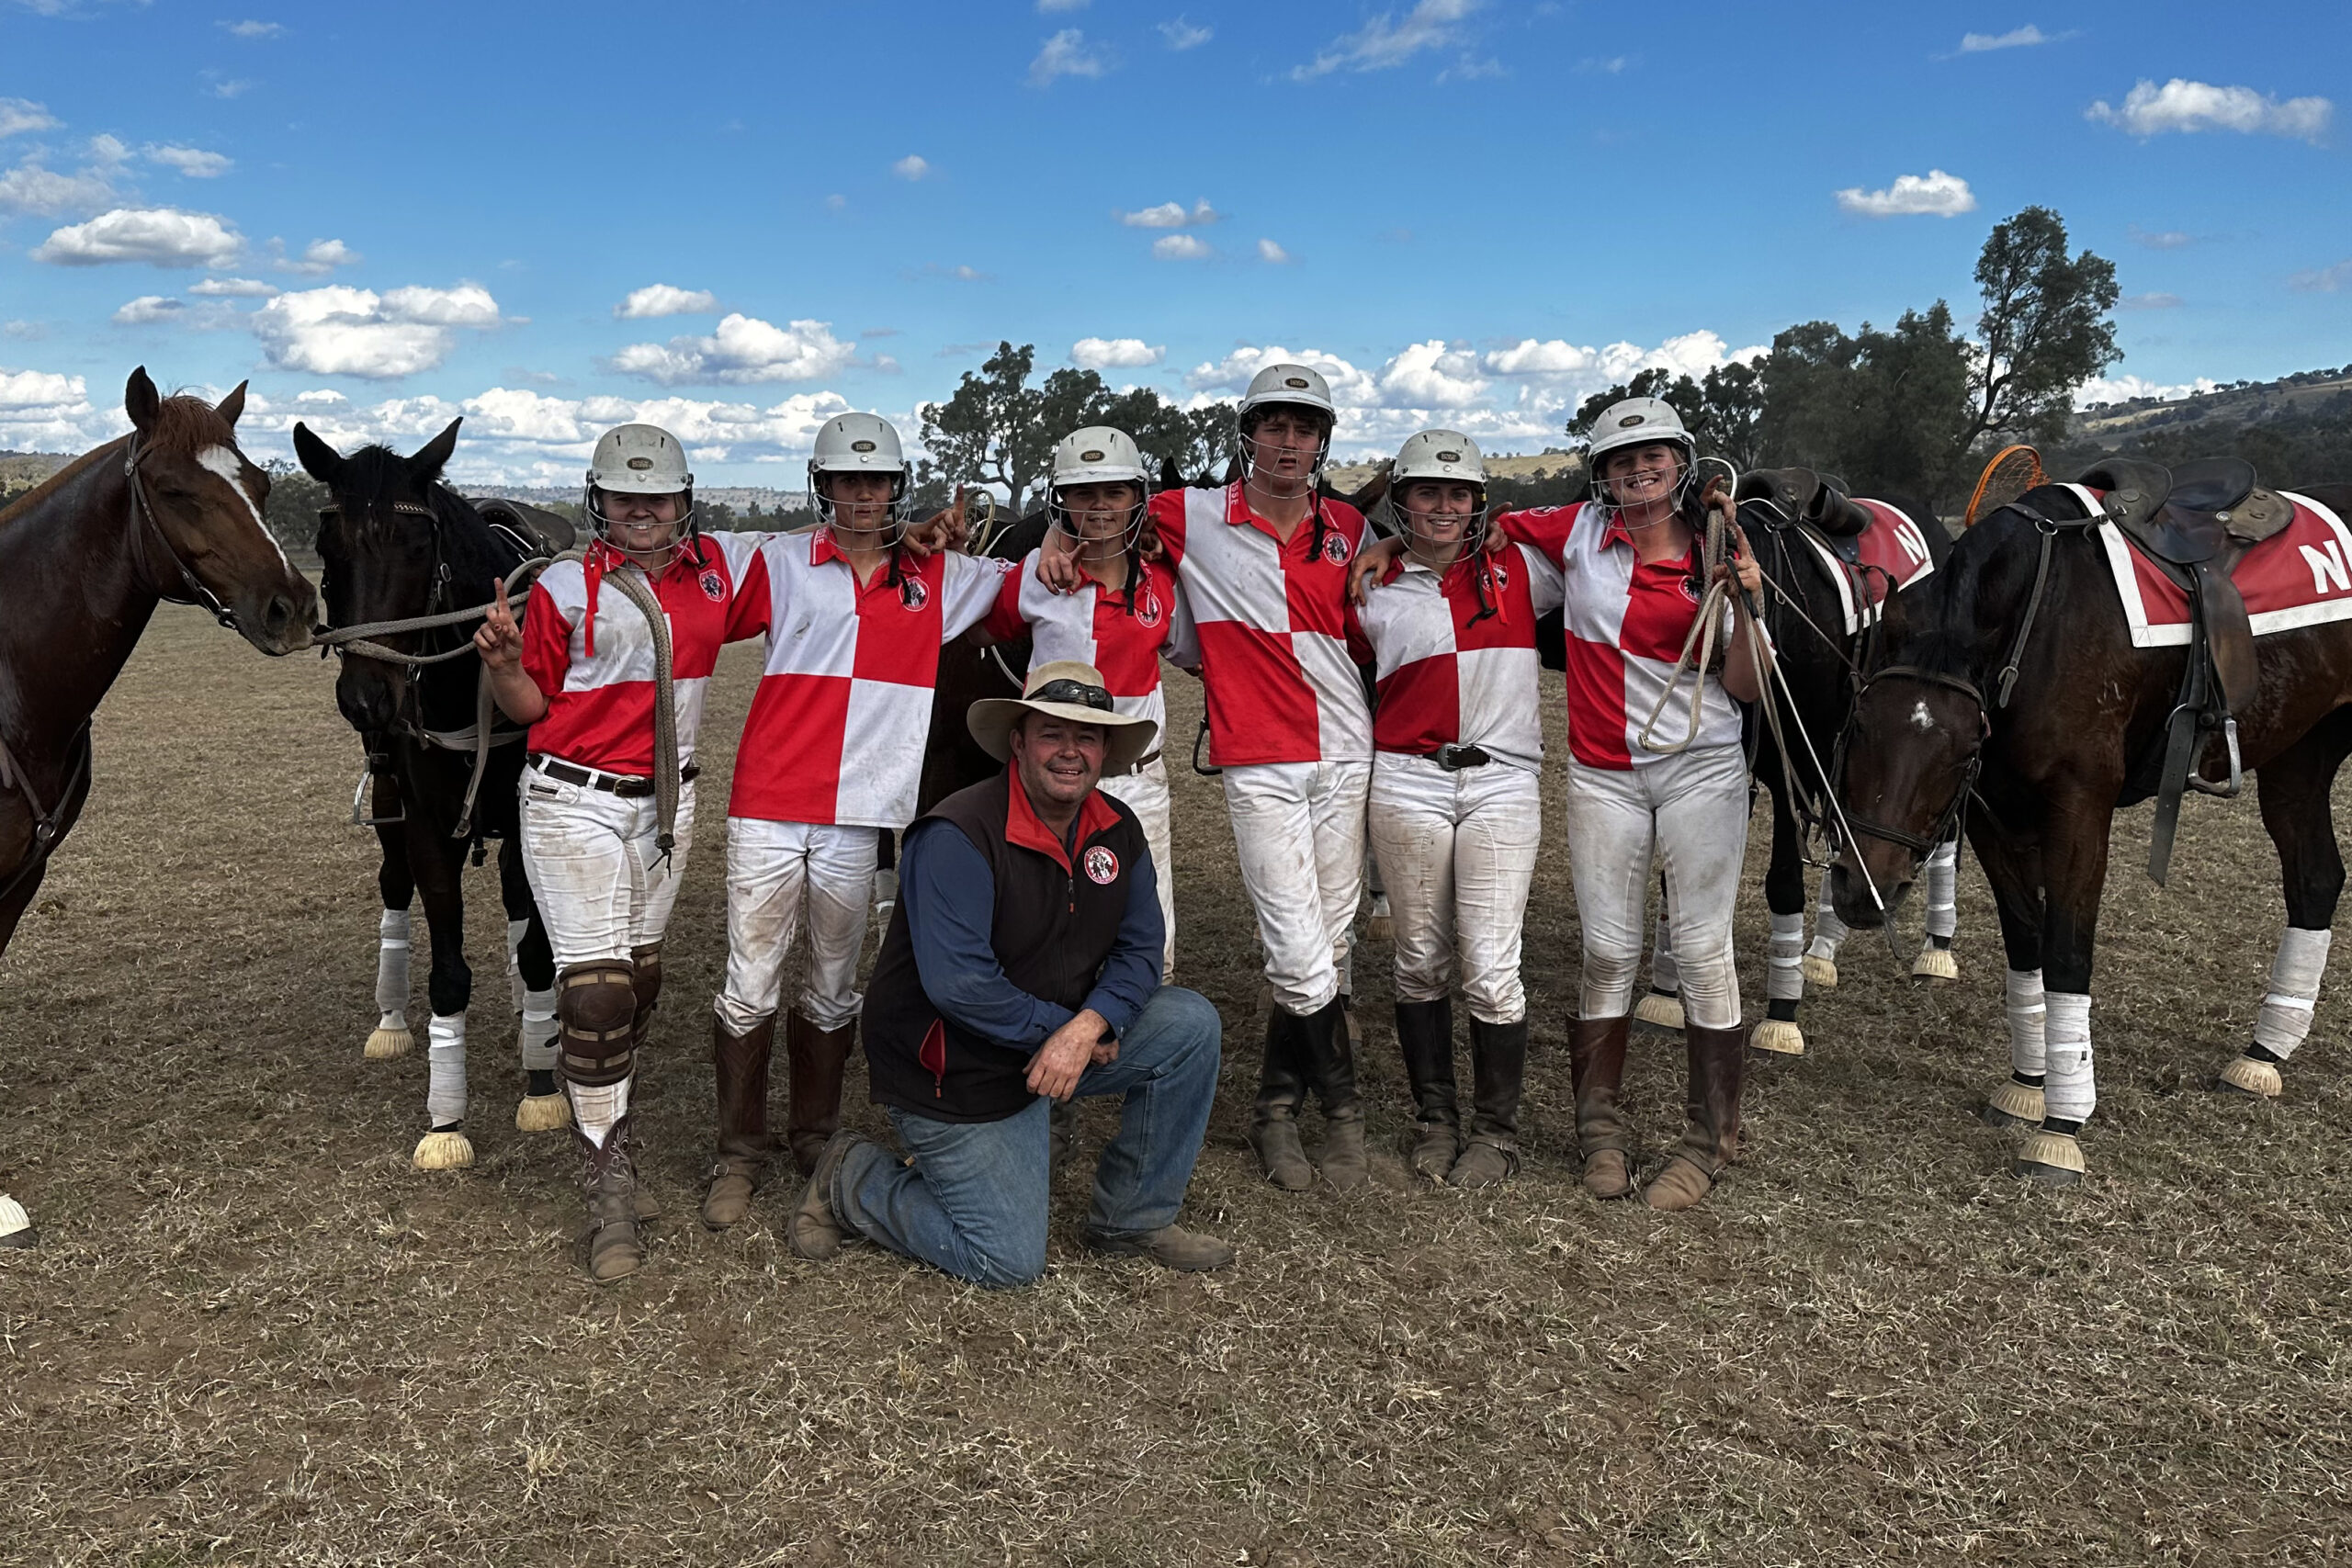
1056 920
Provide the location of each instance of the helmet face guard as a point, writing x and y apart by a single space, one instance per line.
601 522
1060 519
1604 490
893 519
1412 526
1246 427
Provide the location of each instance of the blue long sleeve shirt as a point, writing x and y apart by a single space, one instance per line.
950 897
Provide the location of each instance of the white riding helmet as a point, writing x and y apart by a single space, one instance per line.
638 459
1296 386
1450 457
1097 455
858 444
1636 422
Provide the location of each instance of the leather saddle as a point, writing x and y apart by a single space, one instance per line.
1815 501
538 530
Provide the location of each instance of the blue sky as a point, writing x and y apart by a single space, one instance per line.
1469 212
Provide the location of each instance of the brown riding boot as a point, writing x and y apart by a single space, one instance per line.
608 1178
1712 1141
1597 1064
745 1146
816 1057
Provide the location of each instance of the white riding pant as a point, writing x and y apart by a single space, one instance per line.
1299 828
1146 794
1456 851
1694 805
774 869
593 869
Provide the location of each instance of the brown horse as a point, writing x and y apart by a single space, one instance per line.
2038 780
170 513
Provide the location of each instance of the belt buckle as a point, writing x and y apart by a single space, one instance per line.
1449 757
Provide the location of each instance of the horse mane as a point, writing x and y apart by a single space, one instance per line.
376 475
185 426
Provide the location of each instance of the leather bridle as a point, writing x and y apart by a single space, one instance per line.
142 511
1954 815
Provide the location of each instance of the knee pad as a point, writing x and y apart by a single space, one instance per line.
594 1006
646 976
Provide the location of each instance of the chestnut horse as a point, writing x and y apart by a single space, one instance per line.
2038 779
170 513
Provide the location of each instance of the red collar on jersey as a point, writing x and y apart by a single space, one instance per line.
1023 828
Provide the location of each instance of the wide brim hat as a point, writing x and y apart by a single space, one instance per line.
1126 736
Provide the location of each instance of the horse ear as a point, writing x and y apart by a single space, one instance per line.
427 462
230 407
321 461
140 398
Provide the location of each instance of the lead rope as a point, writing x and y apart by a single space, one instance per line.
640 592
1702 639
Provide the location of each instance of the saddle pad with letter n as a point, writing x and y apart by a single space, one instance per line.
2301 575
1891 553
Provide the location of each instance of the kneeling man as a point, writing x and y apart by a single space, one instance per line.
1022 966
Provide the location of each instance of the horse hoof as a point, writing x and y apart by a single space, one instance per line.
1821 974
16 1225
386 1044
1935 963
1779 1035
1381 928
443 1151
2245 1074
542 1114
1659 1011
2012 1104
2051 1159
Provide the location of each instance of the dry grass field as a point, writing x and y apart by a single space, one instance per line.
255 1335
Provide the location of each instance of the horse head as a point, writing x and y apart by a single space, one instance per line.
202 498
393 548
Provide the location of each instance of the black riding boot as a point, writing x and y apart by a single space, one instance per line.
1282 1088
1497 1069
1333 1063
1425 1039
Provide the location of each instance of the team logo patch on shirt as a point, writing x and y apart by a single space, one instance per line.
1689 588
914 593
1149 609
1335 548
1102 866
1501 574
714 587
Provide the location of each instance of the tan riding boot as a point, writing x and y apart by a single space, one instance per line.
1712 1141
815 1059
1597 1064
740 1062
608 1178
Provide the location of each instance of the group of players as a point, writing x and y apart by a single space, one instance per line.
1249 587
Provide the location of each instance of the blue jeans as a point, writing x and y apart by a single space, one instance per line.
972 1198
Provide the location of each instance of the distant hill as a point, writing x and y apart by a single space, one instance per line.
22 470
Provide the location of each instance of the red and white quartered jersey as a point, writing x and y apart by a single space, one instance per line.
1271 620
1454 655
1097 625
838 725
589 649
1625 624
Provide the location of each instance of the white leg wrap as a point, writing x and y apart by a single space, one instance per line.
1784 979
1829 933
1943 891
538 1030
445 1091
514 930
2028 1010
391 968
596 1108
2286 1015
1665 973
2069 1093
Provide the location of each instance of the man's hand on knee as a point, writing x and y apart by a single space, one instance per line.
1063 1059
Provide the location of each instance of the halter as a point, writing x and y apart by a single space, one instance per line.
143 510
1954 815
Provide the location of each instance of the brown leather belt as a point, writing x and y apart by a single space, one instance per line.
1140 764
624 786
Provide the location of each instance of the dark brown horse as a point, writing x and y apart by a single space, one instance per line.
170 513
2038 780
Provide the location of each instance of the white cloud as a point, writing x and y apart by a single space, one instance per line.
19 115
160 236
2124 389
108 149
1066 54
911 168
340 330
2162 239
253 29
664 299
2185 106
1180 247
236 87
1271 252
743 350
147 310
1115 352
2148 301
1180 35
1529 358
319 257
320 396
192 161
1384 42
1934 194
834 203
2025 37
1432 375
2323 280
1172 215
40 410
233 289
1047 7
31 187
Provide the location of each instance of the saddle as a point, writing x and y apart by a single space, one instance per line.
539 532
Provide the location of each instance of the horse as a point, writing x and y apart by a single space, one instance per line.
2017 701
170 513
399 545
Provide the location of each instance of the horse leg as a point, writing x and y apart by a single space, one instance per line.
438 864
2294 788
392 1037
1661 1005
1784 962
2014 871
542 1108
1942 876
2074 864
